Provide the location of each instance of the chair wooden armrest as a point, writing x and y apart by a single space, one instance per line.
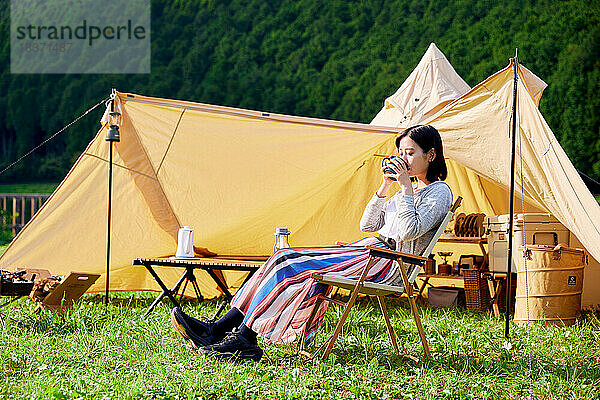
394 255
368 288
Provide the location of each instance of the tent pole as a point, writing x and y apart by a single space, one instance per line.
110 160
112 135
512 195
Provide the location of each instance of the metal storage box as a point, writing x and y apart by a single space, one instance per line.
540 229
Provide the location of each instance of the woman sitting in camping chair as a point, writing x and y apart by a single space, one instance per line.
278 300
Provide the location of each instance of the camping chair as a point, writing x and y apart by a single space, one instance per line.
359 286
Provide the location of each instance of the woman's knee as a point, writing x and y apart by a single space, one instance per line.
284 255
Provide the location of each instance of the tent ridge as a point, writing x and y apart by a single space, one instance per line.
264 115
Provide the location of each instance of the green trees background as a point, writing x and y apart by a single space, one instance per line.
337 59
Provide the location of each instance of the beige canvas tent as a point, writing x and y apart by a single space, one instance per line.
475 133
234 175
431 85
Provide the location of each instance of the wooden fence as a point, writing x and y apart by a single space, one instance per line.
18 209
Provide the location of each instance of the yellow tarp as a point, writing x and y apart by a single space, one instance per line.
232 175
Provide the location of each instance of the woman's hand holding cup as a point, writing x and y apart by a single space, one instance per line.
395 169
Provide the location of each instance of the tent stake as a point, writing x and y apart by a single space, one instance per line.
512 195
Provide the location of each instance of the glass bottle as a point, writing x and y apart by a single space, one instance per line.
281 239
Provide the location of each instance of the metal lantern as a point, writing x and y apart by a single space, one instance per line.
281 239
114 121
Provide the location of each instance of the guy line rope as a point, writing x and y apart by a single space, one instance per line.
53 136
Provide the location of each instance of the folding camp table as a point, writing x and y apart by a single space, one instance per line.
494 280
210 265
459 240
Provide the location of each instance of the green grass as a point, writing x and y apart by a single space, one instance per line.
37 188
112 352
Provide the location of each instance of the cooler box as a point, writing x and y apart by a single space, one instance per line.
540 229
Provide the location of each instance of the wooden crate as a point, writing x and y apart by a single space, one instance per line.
502 295
477 293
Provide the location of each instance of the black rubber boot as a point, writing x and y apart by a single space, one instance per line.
197 332
240 343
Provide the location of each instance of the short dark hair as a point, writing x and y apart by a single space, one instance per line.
427 137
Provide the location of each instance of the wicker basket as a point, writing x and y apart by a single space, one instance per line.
476 290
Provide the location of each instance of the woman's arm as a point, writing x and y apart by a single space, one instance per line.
373 217
415 221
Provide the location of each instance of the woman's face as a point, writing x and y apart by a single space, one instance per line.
412 153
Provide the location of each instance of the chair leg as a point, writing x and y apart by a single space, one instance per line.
390 328
413 306
349 305
415 313
339 325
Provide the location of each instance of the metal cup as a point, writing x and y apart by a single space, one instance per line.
388 170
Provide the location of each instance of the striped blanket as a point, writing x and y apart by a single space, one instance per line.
280 296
